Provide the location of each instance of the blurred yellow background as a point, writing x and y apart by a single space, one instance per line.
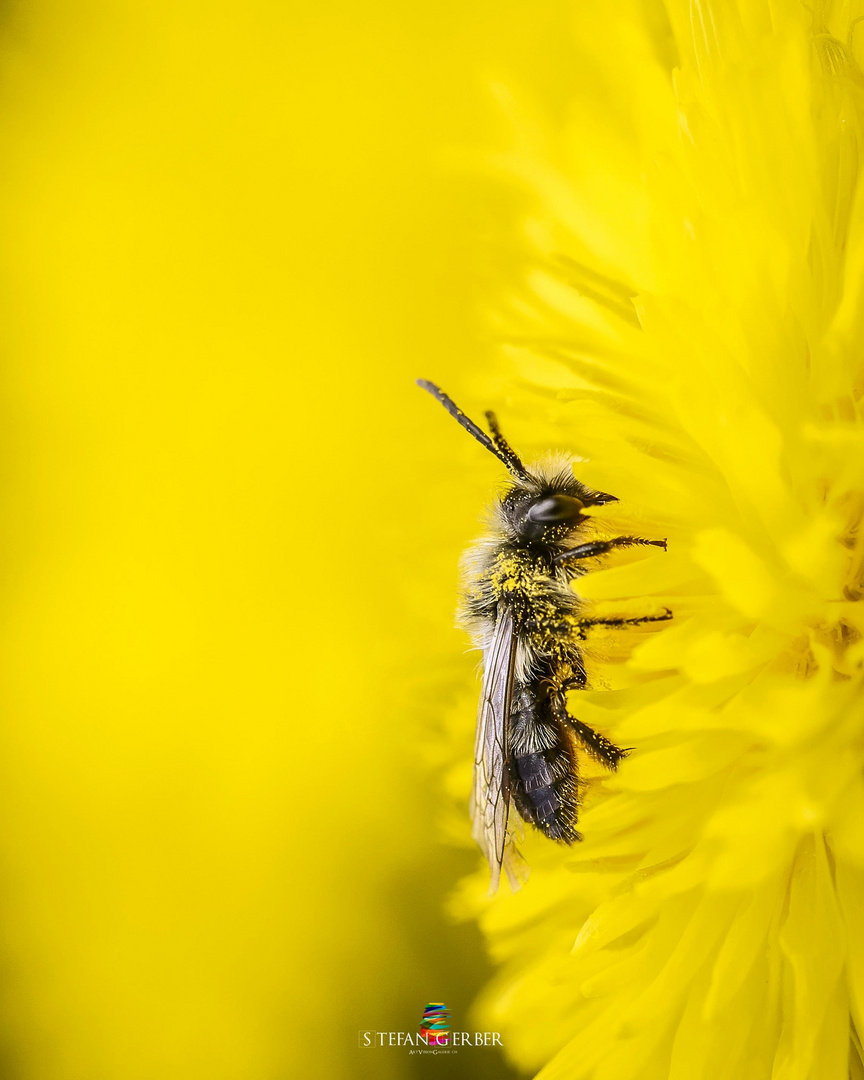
233 236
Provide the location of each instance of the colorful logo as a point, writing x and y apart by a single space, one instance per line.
435 1024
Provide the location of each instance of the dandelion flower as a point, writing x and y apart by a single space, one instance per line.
694 321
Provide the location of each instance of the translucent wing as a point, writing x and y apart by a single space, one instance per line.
490 798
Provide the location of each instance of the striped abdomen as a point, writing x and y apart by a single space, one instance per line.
542 761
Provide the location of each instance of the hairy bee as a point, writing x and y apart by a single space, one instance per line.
520 608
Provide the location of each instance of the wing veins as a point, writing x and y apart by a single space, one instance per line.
491 791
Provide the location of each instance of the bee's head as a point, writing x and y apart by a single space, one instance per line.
544 504
548 505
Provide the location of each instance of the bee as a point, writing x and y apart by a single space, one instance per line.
519 607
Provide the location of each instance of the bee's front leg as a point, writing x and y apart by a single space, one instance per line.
600 547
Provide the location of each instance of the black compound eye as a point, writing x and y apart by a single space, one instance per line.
555 509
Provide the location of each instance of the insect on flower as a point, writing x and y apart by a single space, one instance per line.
520 608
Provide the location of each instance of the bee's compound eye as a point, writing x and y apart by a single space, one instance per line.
555 509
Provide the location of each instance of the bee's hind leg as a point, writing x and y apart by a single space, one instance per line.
597 745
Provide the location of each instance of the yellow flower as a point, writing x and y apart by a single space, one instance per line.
695 325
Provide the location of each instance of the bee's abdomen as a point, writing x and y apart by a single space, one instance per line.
543 768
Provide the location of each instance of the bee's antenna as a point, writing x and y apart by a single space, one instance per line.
505 450
499 447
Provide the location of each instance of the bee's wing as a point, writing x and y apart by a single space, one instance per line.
490 798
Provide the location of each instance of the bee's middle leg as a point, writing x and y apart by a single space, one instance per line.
573 624
637 620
